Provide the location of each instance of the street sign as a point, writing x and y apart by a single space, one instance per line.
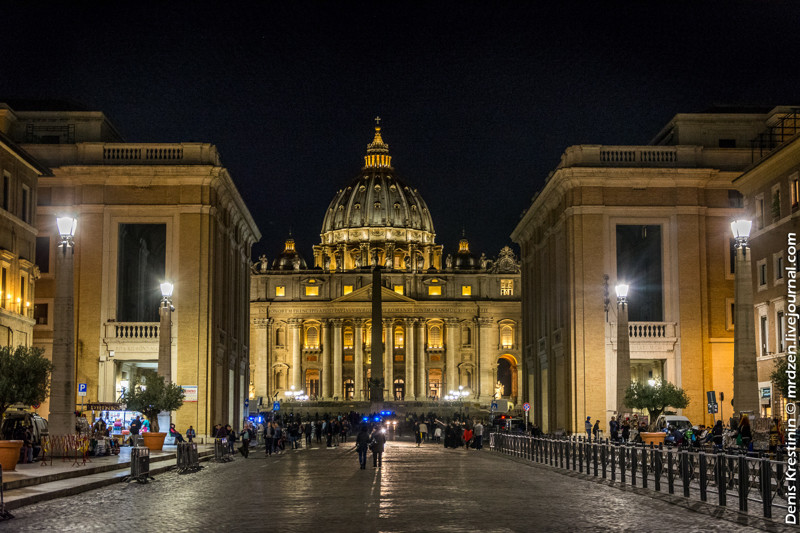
276 406
81 389
711 396
246 402
713 408
526 406
494 406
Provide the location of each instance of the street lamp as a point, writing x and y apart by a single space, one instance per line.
165 310
745 386
623 346
62 387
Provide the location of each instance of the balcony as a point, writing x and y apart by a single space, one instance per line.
654 156
654 339
132 339
126 154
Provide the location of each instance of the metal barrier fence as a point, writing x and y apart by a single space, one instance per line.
761 480
188 458
75 447
222 452
140 465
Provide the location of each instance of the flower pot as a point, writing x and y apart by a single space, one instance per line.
9 454
153 440
655 438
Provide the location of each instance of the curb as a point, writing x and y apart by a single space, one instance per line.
90 485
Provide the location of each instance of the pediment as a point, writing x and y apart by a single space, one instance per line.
364 294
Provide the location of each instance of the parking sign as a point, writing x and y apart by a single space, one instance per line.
81 389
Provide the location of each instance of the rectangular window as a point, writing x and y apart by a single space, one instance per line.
347 289
43 254
25 211
141 267
22 291
735 198
506 287
40 314
312 291
6 191
466 290
779 327
280 290
779 266
639 263
775 207
434 290
762 273
4 288
794 186
763 331
760 211
732 255
730 310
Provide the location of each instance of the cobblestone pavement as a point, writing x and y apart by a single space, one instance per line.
423 489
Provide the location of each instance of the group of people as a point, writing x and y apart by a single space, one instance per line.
457 433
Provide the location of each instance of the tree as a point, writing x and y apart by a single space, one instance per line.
151 395
24 376
655 398
779 376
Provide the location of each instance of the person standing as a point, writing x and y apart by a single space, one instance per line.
362 443
136 425
190 434
307 433
245 448
478 435
269 433
588 427
596 431
613 429
417 434
377 444
423 430
626 430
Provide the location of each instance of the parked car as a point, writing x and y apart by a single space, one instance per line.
676 421
19 420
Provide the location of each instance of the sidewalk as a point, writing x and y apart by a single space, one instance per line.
31 483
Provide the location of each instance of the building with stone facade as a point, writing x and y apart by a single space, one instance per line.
146 212
18 273
771 189
449 321
658 217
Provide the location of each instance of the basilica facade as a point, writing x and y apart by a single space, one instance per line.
449 321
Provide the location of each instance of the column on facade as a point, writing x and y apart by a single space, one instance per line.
325 373
451 348
485 358
358 359
294 325
388 359
337 357
422 371
410 325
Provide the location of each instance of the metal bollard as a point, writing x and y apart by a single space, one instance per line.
670 472
744 483
603 458
622 450
644 465
722 479
580 456
613 464
703 465
658 467
634 465
765 479
567 445
594 457
685 479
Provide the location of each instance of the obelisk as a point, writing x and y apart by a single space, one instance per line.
376 364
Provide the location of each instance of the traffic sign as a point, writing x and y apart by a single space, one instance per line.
713 408
276 406
494 406
526 406
81 389
246 402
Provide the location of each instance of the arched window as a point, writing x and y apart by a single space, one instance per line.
312 383
506 336
312 337
398 337
435 337
348 337
466 336
280 337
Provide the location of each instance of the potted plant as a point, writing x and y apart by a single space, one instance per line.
655 398
24 379
151 395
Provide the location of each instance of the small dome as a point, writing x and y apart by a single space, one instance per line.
464 259
290 259
377 198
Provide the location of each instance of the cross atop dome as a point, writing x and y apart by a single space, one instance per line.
377 151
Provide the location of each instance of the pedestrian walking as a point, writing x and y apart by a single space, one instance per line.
362 444
417 434
588 426
245 447
377 445
423 430
190 434
478 434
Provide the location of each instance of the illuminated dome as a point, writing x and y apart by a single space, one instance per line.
379 210
465 260
290 259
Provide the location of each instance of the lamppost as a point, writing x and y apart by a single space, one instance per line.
745 385
623 346
62 388
165 310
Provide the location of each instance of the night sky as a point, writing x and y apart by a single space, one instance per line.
478 99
